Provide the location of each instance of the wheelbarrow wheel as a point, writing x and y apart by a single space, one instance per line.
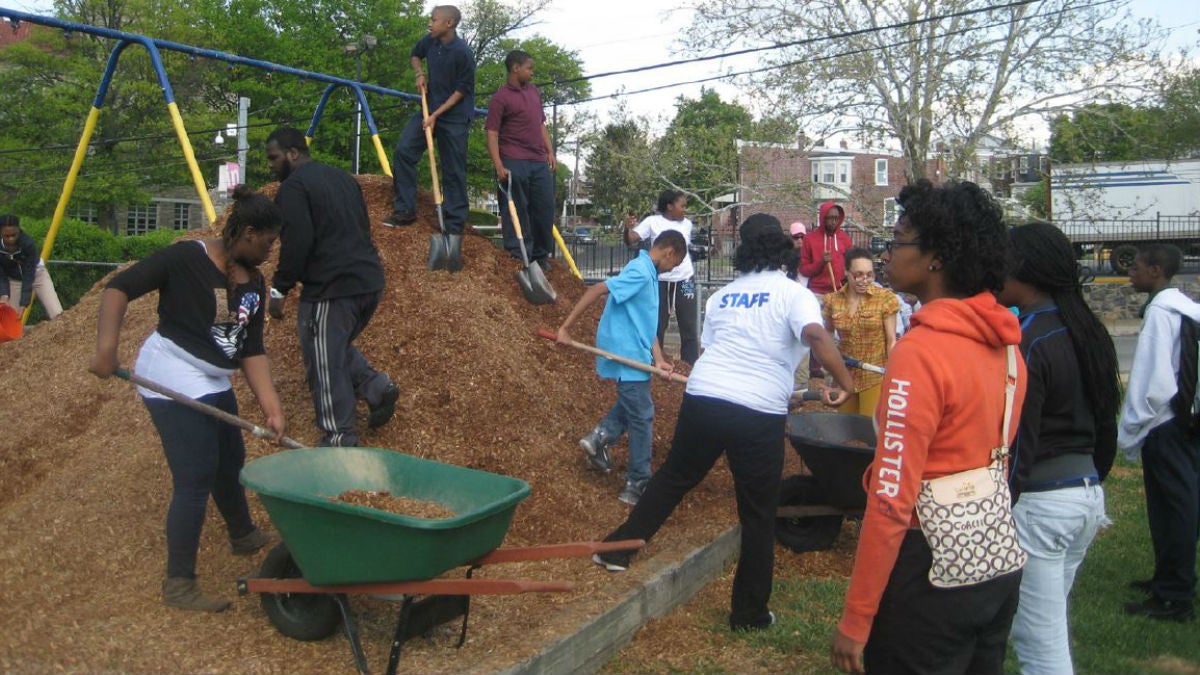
300 616
811 533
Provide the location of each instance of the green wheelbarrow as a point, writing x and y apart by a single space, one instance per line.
332 549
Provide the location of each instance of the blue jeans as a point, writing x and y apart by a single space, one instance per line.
633 412
1055 528
451 141
533 195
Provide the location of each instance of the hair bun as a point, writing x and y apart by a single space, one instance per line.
243 191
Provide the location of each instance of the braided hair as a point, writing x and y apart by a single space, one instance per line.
250 211
1043 258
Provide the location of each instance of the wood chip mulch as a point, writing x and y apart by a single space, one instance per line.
382 500
84 488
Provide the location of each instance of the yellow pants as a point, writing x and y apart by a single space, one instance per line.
862 403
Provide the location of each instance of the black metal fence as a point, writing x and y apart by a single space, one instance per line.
1113 231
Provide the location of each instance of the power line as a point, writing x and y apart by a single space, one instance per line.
826 57
805 41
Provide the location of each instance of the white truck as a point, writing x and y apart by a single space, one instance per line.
1107 209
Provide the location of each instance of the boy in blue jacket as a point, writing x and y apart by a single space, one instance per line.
629 328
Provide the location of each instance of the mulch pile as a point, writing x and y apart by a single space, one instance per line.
382 500
84 488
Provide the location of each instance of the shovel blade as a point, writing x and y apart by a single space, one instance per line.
535 286
445 252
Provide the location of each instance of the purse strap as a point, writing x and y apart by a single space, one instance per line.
1010 394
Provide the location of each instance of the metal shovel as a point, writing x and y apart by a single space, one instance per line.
445 250
532 281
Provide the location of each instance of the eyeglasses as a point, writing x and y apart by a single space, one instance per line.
797 237
892 243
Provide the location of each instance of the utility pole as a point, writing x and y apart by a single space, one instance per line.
243 147
357 49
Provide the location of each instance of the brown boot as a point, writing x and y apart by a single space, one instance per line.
250 544
184 593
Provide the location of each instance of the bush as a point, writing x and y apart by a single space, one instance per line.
139 246
80 241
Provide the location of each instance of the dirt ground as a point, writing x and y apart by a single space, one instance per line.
84 488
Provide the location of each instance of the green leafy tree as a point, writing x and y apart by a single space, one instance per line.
620 160
1110 132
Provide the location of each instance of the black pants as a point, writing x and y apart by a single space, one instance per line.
205 456
922 629
533 196
1171 473
451 141
338 375
753 444
680 296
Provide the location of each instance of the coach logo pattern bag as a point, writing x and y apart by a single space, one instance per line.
967 516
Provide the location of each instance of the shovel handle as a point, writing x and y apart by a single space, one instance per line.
855 363
437 190
553 337
254 429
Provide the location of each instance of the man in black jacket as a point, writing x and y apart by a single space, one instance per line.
326 246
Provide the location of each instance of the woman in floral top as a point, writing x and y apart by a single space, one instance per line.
864 316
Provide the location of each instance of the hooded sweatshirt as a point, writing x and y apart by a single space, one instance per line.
1152 379
940 412
812 252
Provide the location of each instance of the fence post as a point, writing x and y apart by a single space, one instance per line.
1158 226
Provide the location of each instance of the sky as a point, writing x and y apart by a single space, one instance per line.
613 35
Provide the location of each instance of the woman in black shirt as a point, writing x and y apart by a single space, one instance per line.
210 323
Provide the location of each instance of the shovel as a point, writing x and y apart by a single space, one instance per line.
531 279
254 429
553 337
445 250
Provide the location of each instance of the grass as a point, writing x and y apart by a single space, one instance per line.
1103 639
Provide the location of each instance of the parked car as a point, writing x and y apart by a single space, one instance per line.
697 252
583 236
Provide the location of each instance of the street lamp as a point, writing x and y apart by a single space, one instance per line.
357 49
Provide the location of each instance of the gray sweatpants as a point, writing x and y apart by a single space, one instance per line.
337 373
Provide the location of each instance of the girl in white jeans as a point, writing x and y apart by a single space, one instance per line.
1066 441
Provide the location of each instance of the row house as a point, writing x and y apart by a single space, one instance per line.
791 181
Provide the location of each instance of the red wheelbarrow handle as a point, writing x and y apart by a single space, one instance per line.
553 337
578 549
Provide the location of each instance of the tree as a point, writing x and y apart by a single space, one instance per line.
1111 132
959 68
621 166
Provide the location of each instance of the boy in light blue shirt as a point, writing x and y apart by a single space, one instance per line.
628 328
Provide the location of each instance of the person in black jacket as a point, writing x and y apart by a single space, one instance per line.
326 245
1066 440
22 272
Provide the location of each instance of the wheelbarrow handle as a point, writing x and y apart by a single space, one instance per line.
254 429
553 337
855 363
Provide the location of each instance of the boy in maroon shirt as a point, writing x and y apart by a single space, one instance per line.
520 146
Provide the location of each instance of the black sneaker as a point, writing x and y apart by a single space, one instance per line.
613 561
595 445
380 414
1162 610
398 219
544 263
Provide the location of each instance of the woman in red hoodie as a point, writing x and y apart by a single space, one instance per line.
823 260
940 413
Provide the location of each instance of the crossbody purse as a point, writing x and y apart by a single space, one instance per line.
967 516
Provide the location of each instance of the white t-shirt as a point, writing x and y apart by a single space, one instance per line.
752 340
656 224
161 360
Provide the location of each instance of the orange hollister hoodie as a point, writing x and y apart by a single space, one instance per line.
940 412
